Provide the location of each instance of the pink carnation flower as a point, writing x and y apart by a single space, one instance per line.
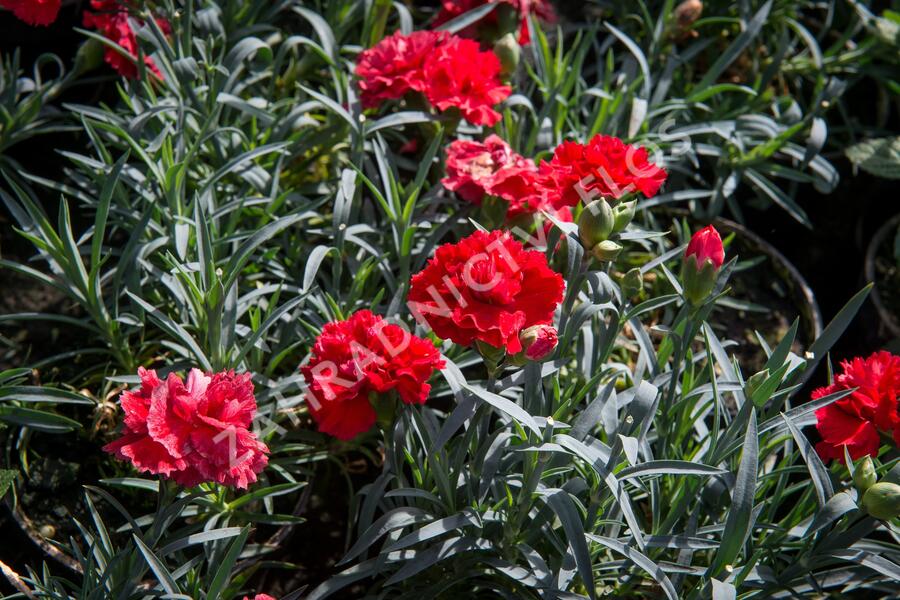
476 169
192 432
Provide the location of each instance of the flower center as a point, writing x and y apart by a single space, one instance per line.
481 166
490 284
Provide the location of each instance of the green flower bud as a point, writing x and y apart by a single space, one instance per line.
48 531
606 250
756 380
864 475
882 500
596 223
508 51
623 214
698 284
89 56
490 353
633 282
385 406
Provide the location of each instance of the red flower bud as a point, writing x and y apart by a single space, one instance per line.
706 245
538 341
700 268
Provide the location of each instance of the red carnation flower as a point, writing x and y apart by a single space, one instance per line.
857 420
260 597
605 166
523 189
192 432
706 245
394 66
111 20
475 169
362 357
33 12
459 75
487 287
450 9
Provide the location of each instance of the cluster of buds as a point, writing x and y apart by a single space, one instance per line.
599 223
881 499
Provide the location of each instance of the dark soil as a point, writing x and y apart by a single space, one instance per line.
832 254
887 278
775 304
24 343
314 548
58 468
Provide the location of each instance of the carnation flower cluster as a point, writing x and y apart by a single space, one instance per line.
869 414
192 431
486 288
111 19
604 167
355 362
450 72
486 291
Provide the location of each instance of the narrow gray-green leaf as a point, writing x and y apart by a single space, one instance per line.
738 522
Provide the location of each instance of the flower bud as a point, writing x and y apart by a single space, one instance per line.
706 245
596 222
864 475
755 382
606 251
623 213
89 56
700 267
489 352
385 406
882 500
508 51
633 282
687 12
538 341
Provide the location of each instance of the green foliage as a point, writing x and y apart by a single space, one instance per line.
25 109
245 199
7 477
880 157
